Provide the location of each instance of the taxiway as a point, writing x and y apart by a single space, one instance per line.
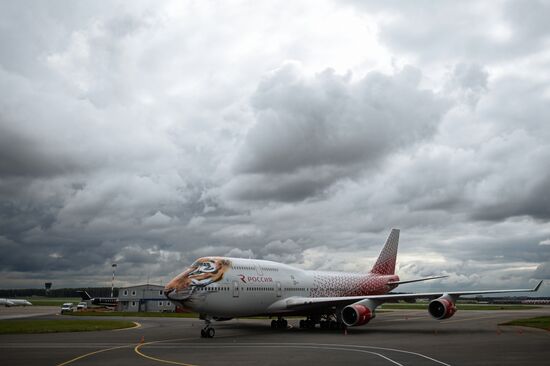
404 337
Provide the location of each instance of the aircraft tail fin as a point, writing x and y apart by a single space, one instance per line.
84 295
385 264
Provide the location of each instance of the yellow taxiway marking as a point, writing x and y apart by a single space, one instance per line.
136 349
125 346
92 353
136 325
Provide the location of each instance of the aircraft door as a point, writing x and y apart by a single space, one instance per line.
279 290
235 289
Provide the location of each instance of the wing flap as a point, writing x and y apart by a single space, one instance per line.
416 280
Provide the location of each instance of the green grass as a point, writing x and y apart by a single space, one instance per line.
52 301
28 326
462 306
133 314
542 322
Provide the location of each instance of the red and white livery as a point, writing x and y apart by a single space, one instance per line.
220 288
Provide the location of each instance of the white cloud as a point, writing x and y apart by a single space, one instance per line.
157 133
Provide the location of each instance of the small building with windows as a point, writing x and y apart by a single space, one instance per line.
144 298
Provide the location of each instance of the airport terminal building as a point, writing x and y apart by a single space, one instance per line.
144 298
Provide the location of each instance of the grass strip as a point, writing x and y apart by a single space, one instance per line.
541 322
31 326
133 314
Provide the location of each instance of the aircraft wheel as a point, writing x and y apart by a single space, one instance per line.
302 324
274 324
284 324
203 333
210 332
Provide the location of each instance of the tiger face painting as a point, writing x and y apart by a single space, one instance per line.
202 272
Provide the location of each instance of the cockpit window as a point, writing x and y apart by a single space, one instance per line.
204 267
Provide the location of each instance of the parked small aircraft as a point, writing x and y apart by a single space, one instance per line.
15 302
98 301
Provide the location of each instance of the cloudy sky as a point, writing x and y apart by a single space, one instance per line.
149 134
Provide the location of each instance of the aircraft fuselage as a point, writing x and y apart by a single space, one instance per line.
230 287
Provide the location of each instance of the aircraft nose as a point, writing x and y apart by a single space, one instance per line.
168 291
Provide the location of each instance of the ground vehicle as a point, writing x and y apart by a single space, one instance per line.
67 307
81 306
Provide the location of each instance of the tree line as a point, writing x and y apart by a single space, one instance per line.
58 292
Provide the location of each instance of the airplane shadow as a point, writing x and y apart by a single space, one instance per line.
364 330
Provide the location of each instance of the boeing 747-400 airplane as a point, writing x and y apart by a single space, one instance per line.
220 288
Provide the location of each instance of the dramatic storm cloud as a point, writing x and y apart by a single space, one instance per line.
150 134
312 133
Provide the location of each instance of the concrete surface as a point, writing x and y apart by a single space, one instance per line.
15 312
404 337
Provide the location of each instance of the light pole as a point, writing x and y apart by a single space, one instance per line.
113 282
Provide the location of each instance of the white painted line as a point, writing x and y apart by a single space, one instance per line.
341 347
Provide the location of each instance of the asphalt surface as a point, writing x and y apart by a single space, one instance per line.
16 312
403 337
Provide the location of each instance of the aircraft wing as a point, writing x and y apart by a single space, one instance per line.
415 280
302 303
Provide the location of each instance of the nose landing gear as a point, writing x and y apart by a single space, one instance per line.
207 331
325 322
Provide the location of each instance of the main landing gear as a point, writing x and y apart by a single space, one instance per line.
331 324
207 331
325 322
280 323
307 324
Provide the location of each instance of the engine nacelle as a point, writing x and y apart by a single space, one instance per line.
442 307
356 314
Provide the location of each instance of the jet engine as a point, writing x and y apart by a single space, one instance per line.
359 313
442 307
